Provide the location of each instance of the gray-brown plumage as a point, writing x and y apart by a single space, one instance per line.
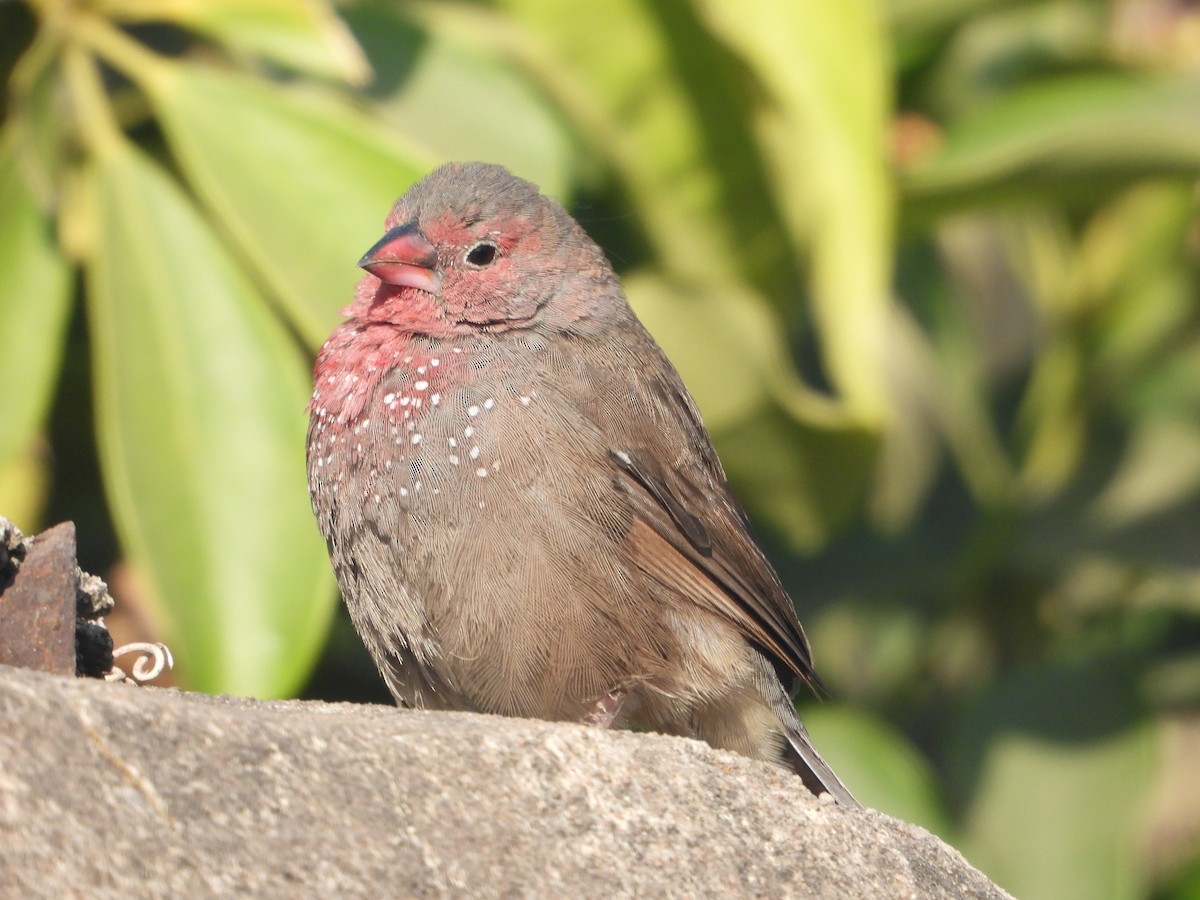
524 511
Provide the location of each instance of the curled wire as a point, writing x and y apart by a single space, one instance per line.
153 661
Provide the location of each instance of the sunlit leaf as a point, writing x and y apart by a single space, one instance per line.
1064 138
823 66
24 483
34 303
910 450
301 183
775 438
1053 419
464 104
1056 762
1161 467
668 114
802 480
1133 272
725 351
305 35
38 122
200 401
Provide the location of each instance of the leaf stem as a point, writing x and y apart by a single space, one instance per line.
93 112
131 58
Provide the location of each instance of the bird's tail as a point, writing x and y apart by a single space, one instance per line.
814 771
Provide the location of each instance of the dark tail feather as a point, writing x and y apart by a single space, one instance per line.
814 771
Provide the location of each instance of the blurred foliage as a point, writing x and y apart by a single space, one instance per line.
929 266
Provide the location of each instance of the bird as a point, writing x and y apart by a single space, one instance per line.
523 509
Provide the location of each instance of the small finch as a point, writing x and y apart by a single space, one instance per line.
525 514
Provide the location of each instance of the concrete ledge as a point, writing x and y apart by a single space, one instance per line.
110 789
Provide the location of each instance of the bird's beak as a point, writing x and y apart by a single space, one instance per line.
404 257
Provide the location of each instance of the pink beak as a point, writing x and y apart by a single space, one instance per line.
404 257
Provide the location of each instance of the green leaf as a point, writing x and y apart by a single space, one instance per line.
882 769
1056 763
1183 885
803 480
1160 469
797 460
1132 269
301 182
674 114
461 101
824 127
305 35
667 114
725 343
934 15
34 303
200 400
1058 139
24 485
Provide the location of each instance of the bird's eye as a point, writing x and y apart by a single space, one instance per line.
482 255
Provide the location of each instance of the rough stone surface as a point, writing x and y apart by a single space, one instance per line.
111 790
37 609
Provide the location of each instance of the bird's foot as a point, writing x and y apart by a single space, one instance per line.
606 709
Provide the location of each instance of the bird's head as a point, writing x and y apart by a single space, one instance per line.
471 248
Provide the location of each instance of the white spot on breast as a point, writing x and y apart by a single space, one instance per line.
524 401
435 362
452 442
389 399
421 370
468 431
489 403
420 385
435 399
416 438
403 492
453 460
472 411
481 472
474 454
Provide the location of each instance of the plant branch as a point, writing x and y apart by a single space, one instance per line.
93 113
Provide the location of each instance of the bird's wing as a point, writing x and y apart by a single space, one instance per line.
688 530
